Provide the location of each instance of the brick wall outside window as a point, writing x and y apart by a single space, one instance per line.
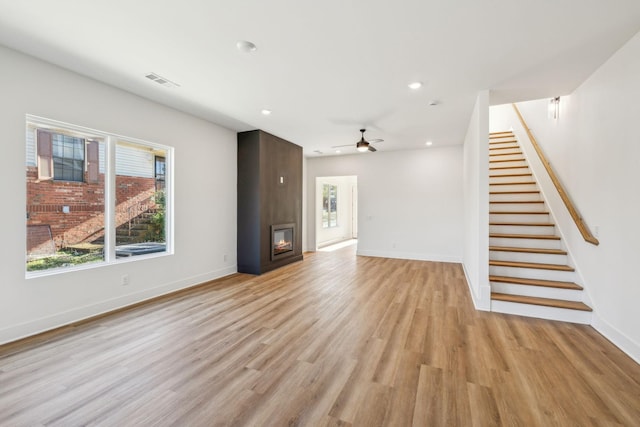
85 201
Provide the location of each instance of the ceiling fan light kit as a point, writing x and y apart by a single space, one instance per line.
362 146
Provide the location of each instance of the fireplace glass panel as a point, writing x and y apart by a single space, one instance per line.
282 241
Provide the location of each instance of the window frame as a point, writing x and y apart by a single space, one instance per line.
110 140
329 210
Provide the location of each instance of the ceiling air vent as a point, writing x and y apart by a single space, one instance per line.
161 80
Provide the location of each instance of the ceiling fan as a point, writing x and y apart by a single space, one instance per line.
362 145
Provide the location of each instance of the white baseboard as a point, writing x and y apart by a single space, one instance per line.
480 303
620 340
412 256
37 326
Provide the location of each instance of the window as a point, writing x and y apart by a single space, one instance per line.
93 197
68 158
329 206
160 172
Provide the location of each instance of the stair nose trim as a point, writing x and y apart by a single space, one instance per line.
534 265
506 202
524 236
547 302
528 250
536 282
515 192
517 213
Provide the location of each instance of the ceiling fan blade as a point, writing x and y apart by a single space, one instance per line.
372 148
340 146
375 140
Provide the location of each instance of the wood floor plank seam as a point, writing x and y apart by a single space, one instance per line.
336 339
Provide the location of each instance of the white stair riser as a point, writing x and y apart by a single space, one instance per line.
528 257
537 291
551 313
509 163
507 178
518 207
506 155
523 229
525 243
508 171
513 187
511 217
506 150
533 273
524 197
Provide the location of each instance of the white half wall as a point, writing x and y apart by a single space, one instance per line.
594 148
409 202
476 203
205 197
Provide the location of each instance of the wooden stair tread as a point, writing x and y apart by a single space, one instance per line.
515 192
507 160
528 250
536 282
525 236
510 147
525 224
508 167
547 302
498 132
505 154
510 175
513 183
504 141
516 201
536 265
518 213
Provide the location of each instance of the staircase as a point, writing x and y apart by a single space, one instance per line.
135 230
529 269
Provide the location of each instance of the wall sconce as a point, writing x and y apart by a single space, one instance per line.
554 107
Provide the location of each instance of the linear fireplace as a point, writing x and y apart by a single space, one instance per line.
282 238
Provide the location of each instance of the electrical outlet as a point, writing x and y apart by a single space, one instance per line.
124 281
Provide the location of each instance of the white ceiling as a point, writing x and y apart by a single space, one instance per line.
327 68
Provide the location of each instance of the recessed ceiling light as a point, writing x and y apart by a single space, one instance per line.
415 85
266 112
246 46
338 151
429 143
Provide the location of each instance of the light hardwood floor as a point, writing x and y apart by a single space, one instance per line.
334 340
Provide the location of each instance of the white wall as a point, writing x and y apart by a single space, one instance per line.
343 231
594 148
205 197
409 202
476 203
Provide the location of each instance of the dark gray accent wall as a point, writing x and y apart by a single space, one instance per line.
264 201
